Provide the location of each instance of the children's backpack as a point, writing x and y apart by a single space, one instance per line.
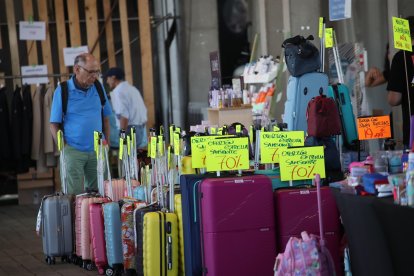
304 256
308 255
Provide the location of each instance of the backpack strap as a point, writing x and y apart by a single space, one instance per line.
100 92
64 94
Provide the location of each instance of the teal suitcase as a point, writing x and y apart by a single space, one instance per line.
274 176
340 93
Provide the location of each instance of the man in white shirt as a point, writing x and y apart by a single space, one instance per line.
128 105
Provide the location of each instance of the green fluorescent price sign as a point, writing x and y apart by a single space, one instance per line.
302 163
273 142
227 154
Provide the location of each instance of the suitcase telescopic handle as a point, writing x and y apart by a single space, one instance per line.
319 198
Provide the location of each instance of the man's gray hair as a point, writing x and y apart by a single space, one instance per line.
81 58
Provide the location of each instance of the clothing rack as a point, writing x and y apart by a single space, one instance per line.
34 76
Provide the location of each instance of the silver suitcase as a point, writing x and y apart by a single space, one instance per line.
55 217
57 224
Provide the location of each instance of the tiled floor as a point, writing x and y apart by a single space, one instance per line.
21 249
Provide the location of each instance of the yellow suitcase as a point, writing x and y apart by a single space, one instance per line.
160 244
178 211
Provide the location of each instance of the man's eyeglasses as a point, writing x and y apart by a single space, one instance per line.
91 72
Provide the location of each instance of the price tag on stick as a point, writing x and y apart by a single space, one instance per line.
374 127
227 154
401 30
302 163
272 142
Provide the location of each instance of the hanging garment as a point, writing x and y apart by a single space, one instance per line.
27 122
38 152
16 129
49 145
37 104
5 141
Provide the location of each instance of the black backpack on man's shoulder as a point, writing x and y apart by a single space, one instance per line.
65 95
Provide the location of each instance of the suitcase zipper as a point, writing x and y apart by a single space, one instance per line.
161 240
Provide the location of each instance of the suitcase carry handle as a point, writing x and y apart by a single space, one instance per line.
195 190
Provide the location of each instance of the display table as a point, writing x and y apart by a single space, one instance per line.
380 234
229 115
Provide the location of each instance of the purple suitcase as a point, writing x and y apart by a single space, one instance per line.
237 226
296 210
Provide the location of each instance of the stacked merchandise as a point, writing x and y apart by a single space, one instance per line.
229 223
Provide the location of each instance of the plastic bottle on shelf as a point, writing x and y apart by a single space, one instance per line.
410 189
220 103
410 161
410 165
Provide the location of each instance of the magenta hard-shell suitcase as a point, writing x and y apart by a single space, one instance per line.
237 226
98 236
296 210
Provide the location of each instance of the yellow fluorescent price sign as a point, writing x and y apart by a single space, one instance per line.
198 150
401 30
272 142
153 147
302 163
227 154
176 143
320 27
329 37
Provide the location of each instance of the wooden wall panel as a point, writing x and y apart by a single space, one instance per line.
126 49
109 33
146 59
46 49
92 28
31 44
14 47
61 35
74 27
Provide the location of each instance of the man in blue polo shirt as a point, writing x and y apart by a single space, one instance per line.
83 116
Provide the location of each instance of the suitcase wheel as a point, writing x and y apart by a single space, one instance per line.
50 260
66 259
89 266
109 272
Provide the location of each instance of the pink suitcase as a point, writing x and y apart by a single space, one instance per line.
78 244
119 188
86 242
237 226
98 236
296 210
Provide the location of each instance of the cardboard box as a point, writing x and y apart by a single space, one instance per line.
32 191
33 174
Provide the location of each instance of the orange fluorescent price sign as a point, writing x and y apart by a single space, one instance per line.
227 154
374 127
301 163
